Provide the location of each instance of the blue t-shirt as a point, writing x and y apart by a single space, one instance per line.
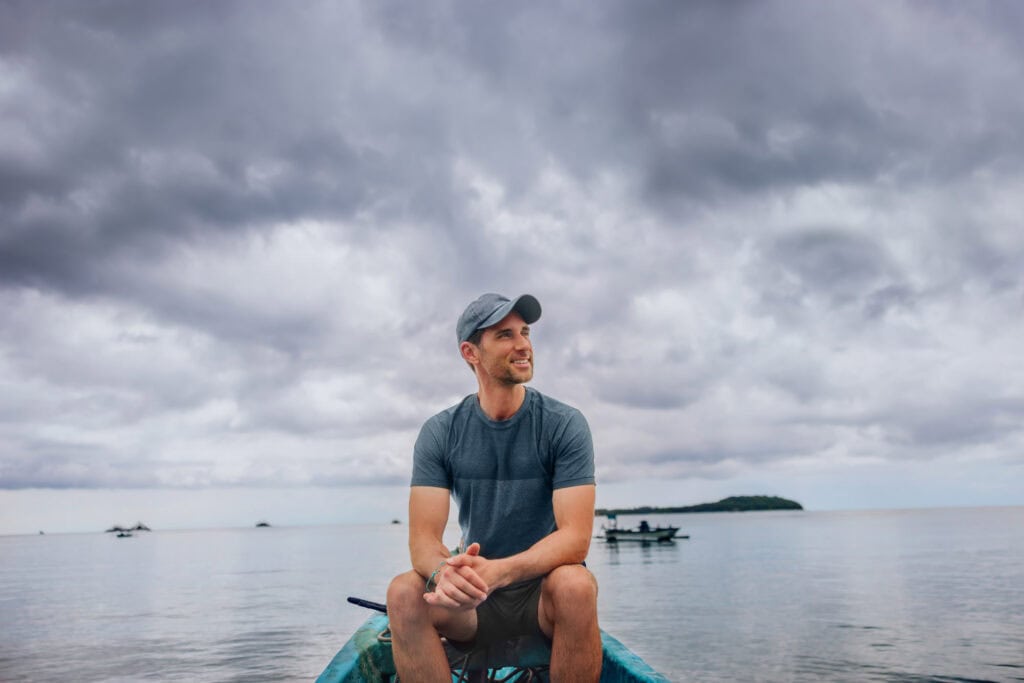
502 473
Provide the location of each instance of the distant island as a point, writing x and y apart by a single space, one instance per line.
730 504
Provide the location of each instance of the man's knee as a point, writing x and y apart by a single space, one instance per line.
405 596
570 585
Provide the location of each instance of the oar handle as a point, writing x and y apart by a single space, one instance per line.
369 604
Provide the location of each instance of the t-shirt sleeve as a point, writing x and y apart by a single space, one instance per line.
574 458
428 456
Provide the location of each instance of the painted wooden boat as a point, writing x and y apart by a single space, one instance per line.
367 657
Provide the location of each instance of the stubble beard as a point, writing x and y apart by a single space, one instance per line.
511 376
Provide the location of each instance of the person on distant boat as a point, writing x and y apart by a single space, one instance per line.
520 466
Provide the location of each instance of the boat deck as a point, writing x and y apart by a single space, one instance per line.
367 657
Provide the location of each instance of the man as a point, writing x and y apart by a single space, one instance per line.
520 466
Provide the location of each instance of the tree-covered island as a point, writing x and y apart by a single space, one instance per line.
730 504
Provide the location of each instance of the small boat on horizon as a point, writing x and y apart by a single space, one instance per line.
644 533
125 531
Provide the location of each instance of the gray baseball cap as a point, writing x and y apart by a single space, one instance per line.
491 309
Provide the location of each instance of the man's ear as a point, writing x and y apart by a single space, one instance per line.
469 352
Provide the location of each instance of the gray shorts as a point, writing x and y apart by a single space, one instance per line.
507 613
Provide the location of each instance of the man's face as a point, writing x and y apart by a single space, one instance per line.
506 354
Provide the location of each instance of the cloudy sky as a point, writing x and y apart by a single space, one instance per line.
779 248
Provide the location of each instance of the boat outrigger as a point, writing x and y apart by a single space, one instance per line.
367 657
645 533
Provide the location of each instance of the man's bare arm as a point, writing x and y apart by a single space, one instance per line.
569 544
428 516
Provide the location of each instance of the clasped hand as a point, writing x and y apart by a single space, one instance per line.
458 585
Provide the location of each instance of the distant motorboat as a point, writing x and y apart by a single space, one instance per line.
645 532
262 523
125 531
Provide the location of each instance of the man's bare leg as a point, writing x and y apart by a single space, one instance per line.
415 644
568 615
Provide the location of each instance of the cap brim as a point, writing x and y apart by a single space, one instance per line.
526 306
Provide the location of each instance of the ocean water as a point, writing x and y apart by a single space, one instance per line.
921 595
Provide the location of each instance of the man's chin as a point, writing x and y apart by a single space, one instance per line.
518 377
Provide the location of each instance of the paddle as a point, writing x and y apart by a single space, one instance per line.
369 604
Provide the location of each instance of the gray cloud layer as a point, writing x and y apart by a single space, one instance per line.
768 236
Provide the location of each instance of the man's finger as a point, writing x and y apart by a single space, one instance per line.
437 600
452 598
471 583
460 560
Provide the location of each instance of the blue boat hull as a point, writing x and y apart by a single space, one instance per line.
367 658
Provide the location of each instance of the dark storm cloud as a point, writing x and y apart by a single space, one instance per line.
234 237
844 267
709 101
784 98
161 124
145 130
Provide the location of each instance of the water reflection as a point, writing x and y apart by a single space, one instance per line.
648 552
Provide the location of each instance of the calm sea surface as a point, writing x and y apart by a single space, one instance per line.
924 595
